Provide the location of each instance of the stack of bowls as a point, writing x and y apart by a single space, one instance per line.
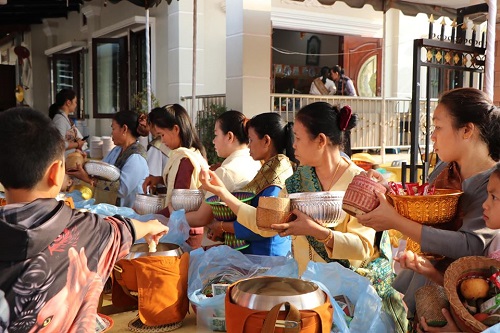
95 147
323 207
189 200
107 145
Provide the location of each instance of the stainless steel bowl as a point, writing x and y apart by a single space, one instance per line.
162 249
102 170
262 293
189 200
149 203
324 207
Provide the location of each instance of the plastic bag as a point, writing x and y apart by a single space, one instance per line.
110 210
178 226
338 280
205 265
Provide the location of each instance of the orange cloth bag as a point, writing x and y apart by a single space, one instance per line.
161 284
240 319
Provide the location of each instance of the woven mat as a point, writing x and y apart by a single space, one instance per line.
136 325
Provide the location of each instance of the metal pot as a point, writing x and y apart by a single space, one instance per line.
324 207
189 200
262 293
162 249
149 203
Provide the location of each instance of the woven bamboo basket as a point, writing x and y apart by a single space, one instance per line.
272 210
429 302
428 209
221 211
458 271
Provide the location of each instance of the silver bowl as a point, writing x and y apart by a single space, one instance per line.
189 200
162 249
102 170
264 292
149 203
324 207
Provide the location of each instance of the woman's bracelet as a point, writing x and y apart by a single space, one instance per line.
327 239
221 226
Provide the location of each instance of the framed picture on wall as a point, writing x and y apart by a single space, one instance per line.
4 57
313 51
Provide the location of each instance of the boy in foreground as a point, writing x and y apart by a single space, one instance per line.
54 261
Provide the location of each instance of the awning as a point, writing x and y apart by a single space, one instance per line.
409 7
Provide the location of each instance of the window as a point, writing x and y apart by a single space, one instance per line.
109 76
66 75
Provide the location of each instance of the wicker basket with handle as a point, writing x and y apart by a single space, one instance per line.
458 271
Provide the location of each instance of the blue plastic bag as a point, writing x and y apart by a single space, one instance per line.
338 280
178 228
205 265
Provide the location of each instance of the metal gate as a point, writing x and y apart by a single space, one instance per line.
443 63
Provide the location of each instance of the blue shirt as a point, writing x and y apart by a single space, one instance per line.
133 173
268 246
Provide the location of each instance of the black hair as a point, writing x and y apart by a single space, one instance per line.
29 143
337 69
496 172
174 114
234 121
280 132
321 117
325 73
471 105
129 118
62 96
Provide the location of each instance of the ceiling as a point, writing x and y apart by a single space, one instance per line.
17 15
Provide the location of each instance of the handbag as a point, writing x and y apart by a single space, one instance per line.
160 284
240 319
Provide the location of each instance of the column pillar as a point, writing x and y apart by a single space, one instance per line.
248 55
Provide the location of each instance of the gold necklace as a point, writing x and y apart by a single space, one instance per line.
334 174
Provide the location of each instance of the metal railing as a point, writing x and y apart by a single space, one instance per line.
203 103
373 129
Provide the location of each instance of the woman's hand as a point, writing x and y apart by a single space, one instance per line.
214 231
80 173
419 264
384 217
211 182
303 225
377 176
449 327
152 182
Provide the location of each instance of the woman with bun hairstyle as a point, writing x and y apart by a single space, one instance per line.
345 86
466 138
238 167
271 141
319 133
129 156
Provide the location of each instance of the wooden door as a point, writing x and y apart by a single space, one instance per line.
8 84
362 62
